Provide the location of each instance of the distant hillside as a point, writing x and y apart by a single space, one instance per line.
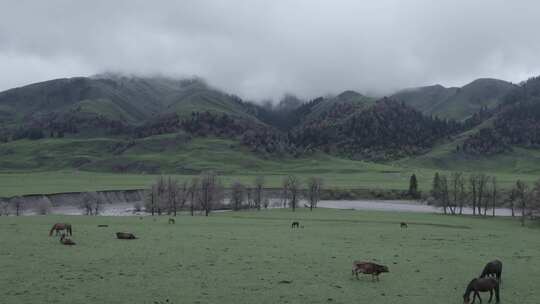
109 102
516 122
385 130
119 115
456 103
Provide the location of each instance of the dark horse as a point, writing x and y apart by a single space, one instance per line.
481 285
125 236
493 268
368 268
59 227
295 225
403 225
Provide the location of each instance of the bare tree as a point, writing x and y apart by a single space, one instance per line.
535 198
176 195
494 194
183 195
86 204
436 193
210 191
458 194
522 197
284 193
482 200
171 189
473 188
266 202
258 192
314 187
454 191
511 200
237 195
18 205
249 198
193 192
151 200
440 192
91 204
43 206
291 186
462 197
4 208
98 203
161 195
445 194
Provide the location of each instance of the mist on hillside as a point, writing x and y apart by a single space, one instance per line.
262 50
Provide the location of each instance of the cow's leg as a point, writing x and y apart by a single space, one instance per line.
490 295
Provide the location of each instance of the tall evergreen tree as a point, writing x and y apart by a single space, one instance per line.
413 186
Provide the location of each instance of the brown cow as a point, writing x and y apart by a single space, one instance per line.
125 236
59 227
368 268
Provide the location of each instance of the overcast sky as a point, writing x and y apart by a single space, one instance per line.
263 49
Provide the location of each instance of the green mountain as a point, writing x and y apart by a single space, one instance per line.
456 103
113 123
96 102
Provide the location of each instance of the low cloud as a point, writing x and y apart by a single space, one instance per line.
264 49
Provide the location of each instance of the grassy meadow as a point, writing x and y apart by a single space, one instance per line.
255 257
45 166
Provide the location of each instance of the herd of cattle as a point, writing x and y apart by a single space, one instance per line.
489 280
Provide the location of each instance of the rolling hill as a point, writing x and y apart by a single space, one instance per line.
456 103
95 102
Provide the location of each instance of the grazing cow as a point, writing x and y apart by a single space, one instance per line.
403 225
481 285
60 227
493 268
368 268
125 236
295 225
66 241
171 221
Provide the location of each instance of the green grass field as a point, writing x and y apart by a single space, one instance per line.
246 257
46 166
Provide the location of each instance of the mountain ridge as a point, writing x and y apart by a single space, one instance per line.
129 110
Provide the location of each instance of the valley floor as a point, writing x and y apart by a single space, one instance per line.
46 166
255 257
46 182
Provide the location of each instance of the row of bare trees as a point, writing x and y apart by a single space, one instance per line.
291 191
92 203
243 197
526 199
169 196
453 193
203 193
481 193
18 205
